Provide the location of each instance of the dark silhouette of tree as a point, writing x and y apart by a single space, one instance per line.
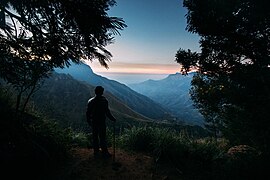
36 36
232 86
25 76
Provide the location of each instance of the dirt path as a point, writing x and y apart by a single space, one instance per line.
84 166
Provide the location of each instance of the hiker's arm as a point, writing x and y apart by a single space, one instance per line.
109 114
88 114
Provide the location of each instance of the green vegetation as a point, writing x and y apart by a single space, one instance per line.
39 145
231 88
37 36
30 144
193 158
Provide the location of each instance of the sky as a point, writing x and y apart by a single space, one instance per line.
156 30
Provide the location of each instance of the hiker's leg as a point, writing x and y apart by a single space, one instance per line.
102 137
95 139
103 143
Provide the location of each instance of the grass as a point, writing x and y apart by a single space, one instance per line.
204 158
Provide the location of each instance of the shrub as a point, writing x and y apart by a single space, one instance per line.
193 157
81 139
243 162
138 139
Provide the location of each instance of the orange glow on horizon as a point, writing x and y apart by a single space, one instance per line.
133 68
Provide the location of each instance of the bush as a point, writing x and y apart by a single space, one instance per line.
194 158
243 162
138 139
30 145
81 139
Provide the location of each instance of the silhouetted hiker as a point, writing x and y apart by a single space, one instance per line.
97 111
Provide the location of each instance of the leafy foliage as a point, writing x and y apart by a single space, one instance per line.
58 30
25 76
36 36
232 85
32 147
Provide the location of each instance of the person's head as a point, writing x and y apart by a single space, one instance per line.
99 90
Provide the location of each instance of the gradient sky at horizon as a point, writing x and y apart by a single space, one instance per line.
156 30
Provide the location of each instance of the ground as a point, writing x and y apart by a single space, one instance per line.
84 166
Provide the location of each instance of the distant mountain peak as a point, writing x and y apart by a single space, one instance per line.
176 74
75 67
138 102
172 93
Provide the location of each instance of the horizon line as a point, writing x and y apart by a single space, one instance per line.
135 73
135 68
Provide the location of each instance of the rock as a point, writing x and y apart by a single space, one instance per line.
242 151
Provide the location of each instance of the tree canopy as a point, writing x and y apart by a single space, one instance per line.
39 35
232 85
58 30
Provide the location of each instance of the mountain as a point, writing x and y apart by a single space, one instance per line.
131 98
172 93
63 98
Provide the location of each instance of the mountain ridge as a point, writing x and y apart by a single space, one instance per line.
172 93
64 99
136 101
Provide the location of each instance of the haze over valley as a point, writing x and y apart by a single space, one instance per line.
161 99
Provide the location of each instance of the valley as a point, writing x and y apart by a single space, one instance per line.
165 99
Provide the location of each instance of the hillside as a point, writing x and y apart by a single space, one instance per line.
131 98
172 93
64 99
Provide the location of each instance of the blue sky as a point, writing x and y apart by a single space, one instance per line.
156 30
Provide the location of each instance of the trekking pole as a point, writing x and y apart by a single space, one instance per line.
115 165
